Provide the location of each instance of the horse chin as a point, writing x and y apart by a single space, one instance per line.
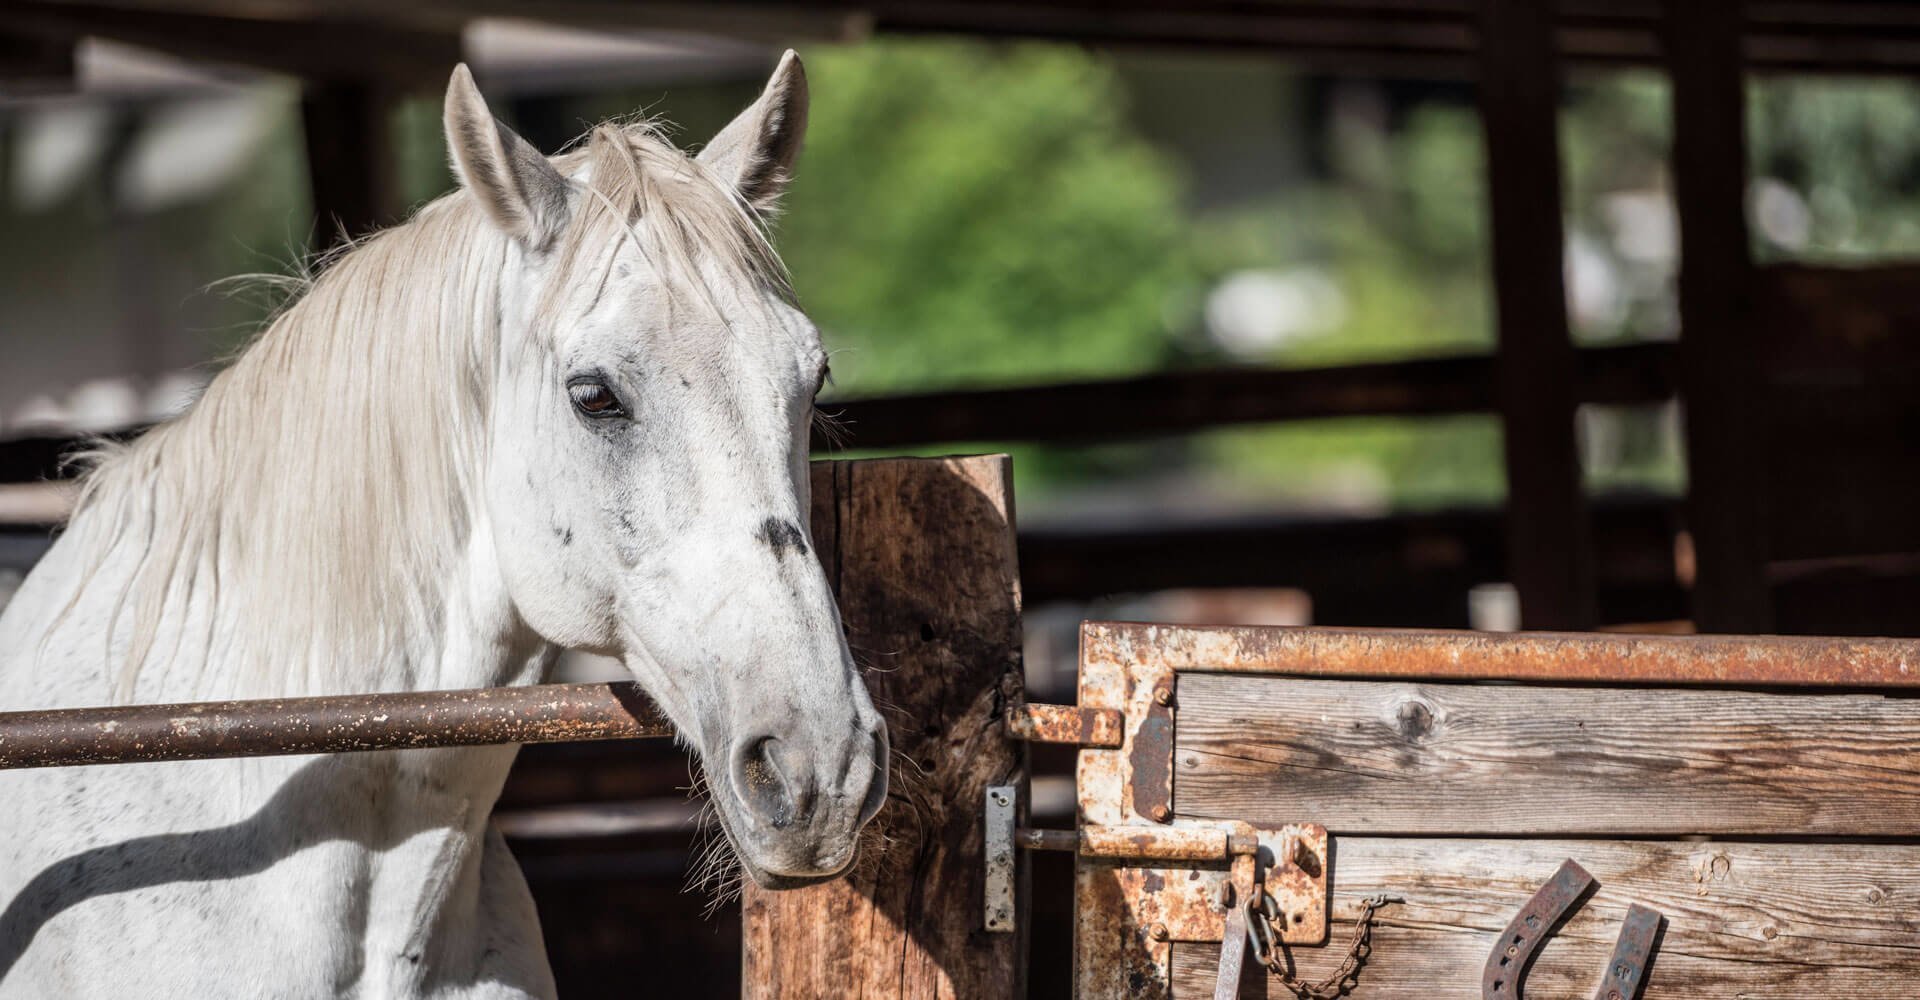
767 878
780 883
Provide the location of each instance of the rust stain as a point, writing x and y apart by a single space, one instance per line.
1150 758
1296 879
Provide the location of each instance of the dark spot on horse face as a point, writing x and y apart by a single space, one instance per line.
781 536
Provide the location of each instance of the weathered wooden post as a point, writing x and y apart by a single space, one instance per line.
921 556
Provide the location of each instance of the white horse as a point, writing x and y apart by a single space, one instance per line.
565 406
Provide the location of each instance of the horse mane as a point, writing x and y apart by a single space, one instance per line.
314 501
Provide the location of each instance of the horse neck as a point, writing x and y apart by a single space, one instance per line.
202 565
69 628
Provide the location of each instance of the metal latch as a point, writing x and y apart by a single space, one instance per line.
1290 865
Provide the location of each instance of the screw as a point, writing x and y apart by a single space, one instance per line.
999 798
1160 813
1158 932
1163 696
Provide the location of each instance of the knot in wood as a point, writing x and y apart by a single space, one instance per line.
1415 719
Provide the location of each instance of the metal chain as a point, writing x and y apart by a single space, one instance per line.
1262 932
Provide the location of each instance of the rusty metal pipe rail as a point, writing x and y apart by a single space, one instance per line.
1542 657
551 713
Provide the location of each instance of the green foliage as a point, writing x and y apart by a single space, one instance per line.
971 212
1851 146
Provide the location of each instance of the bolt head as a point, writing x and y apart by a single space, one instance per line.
1160 813
1163 696
1158 932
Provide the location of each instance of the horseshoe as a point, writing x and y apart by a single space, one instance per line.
1520 943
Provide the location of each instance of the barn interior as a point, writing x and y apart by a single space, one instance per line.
1428 313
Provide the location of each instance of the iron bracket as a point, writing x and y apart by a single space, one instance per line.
1291 865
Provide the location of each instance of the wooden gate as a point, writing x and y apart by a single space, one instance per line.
1763 794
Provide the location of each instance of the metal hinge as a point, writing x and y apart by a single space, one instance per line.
1290 864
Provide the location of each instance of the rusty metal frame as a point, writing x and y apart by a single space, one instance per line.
550 713
1127 916
1123 648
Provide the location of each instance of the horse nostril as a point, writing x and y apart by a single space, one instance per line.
771 781
877 786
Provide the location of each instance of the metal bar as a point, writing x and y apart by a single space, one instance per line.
553 713
1091 727
1003 866
1790 661
1142 843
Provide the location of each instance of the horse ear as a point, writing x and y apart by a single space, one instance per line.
756 151
516 186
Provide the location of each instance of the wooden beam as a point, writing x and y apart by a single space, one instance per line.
920 552
363 49
33 62
1400 569
1176 402
1403 757
1721 377
350 160
1549 538
1170 403
1810 921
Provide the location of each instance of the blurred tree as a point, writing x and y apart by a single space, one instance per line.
1845 156
974 212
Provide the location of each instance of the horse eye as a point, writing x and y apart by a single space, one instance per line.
594 399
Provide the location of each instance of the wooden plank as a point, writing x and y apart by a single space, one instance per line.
1813 922
1720 368
1408 758
1173 402
923 557
1549 536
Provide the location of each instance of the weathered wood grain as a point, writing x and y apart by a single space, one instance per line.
1743 920
1414 758
921 556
